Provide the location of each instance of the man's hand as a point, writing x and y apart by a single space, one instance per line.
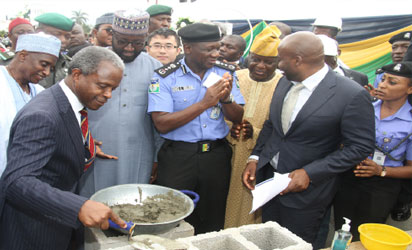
300 182
216 92
101 154
235 131
249 175
247 129
368 168
227 77
244 127
153 176
96 214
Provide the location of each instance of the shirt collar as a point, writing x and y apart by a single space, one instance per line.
313 81
404 113
73 100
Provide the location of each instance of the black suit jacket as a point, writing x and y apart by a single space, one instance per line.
38 204
358 77
338 112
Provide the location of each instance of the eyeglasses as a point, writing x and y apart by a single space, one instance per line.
124 43
109 30
158 46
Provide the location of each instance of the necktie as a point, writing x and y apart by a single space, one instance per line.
289 105
88 140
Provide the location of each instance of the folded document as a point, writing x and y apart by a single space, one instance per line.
267 190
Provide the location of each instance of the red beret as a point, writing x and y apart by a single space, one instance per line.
16 22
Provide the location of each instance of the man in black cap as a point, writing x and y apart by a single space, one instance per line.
160 17
400 43
59 26
102 32
188 102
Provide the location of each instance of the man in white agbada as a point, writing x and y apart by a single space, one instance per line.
35 55
123 125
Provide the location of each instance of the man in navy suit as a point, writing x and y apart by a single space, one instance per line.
39 205
326 130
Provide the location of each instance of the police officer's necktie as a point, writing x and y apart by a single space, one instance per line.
289 105
88 140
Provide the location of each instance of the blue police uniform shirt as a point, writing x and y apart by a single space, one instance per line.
391 130
181 89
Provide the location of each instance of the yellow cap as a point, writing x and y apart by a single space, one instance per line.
266 42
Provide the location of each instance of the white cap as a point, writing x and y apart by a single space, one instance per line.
329 21
330 46
346 226
39 42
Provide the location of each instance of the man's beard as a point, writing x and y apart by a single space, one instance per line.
126 59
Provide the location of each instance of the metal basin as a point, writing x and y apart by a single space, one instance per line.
129 193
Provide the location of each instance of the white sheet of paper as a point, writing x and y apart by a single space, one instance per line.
211 79
267 190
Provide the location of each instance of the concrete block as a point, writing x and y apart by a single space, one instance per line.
271 235
267 236
218 240
96 239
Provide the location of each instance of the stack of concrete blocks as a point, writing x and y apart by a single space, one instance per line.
267 236
96 239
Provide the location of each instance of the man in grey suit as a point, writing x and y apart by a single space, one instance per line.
39 207
320 124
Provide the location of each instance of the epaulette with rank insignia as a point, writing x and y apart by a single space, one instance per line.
66 57
226 66
168 69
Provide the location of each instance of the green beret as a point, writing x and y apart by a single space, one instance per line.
200 32
55 20
158 9
400 69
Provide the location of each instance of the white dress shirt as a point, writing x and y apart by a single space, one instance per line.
310 84
76 105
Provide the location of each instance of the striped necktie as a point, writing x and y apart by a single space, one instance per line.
88 140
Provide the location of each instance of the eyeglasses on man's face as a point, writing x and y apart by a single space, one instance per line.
159 46
109 31
124 43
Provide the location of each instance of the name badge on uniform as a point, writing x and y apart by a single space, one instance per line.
215 112
379 157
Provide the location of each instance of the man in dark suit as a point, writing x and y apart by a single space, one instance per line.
320 124
47 154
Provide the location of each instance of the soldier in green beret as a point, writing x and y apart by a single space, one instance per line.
59 26
160 17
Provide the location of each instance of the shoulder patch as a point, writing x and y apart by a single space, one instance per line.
154 86
168 69
226 66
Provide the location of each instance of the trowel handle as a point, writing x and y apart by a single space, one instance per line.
193 195
114 225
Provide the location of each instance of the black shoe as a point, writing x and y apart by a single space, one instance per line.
401 212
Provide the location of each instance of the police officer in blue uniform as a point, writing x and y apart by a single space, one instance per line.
188 102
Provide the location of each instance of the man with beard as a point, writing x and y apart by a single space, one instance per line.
123 125
314 111
59 26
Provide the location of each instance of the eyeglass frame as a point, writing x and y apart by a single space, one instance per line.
159 46
123 44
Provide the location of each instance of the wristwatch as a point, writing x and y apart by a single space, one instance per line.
383 173
229 101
